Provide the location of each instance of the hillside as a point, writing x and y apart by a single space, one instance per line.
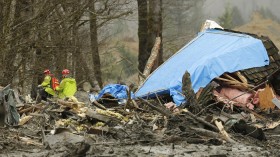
260 26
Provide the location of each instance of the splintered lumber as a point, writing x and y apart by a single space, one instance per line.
241 77
67 104
235 83
151 61
230 77
25 119
266 97
223 131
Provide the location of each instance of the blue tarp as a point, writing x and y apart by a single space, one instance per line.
116 90
209 55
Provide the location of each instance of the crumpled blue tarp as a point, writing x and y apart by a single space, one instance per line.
116 90
210 54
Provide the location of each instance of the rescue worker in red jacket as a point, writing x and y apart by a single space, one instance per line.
46 90
67 86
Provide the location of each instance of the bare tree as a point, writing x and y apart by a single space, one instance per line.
94 44
45 34
149 27
143 54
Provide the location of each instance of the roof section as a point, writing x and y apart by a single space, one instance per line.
209 55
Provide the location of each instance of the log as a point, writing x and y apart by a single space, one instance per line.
205 132
67 104
201 120
97 104
151 61
93 114
209 133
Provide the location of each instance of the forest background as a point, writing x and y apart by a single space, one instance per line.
109 41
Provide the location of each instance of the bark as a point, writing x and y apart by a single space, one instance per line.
94 45
30 56
188 90
1 19
191 101
143 54
9 69
155 28
1 34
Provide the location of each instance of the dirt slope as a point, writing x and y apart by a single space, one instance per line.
261 26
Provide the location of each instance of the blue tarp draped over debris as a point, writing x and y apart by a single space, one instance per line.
116 90
209 55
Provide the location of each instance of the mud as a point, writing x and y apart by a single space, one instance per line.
67 144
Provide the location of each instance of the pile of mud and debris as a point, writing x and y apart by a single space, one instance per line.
236 114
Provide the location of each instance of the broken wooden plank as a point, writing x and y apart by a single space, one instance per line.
266 97
241 77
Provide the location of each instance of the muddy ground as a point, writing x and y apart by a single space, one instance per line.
147 133
69 144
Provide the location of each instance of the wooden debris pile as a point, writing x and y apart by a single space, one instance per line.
258 85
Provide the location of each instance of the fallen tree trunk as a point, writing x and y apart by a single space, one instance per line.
152 59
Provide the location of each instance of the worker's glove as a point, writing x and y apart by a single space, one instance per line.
39 86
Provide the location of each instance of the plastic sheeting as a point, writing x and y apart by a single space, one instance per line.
116 90
209 55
